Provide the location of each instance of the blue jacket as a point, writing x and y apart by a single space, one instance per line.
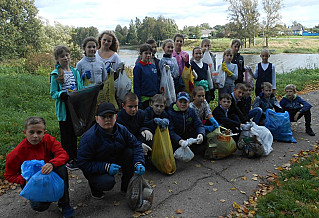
149 118
135 124
97 148
56 90
184 123
265 103
297 103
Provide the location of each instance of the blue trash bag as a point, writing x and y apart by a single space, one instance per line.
42 187
279 126
31 167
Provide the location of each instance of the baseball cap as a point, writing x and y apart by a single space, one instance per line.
183 95
105 108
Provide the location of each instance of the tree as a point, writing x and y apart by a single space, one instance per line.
131 35
146 29
271 8
165 28
80 33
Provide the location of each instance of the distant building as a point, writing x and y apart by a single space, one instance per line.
206 34
296 30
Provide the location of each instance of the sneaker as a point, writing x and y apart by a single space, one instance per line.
97 195
310 132
67 211
72 165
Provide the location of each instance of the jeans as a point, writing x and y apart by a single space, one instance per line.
256 114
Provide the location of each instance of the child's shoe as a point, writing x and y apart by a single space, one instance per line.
67 211
309 131
97 195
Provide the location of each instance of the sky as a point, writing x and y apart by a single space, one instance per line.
105 15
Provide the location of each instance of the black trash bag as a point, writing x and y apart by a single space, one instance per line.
139 194
82 105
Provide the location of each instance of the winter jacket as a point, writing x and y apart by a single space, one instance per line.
149 118
135 124
239 61
267 103
95 66
56 90
98 149
297 104
225 120
180 60
238 108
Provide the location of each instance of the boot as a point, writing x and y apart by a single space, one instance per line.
309 131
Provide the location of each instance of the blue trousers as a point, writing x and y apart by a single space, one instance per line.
256 114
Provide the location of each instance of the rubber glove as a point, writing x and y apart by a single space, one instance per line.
214 122
209 128
167 67
165 123
200 138
146 148
140 169
157 121
64 96
88 74
183 143
114 169
147 135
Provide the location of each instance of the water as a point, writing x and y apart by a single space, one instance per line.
284 63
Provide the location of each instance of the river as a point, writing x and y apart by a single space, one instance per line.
284 62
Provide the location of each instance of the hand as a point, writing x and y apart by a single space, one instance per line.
183 143
163 123
209 128
114 169
214 122
101 86
140 169
146 148
296 116
88 74
64 96
47 168
157 121
200 139
147 135
167 67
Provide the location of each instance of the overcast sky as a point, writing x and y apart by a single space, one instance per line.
106 14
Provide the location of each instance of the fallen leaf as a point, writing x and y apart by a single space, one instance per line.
211 183
235 205
244 178
222 200
242 192
312 172
279 168
215 189
137 214
233 188
198 165
170 190
175 182
148 212
255 175
179 211
254 178
212 161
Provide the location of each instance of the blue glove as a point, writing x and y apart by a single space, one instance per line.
83 76
140 169
157 121
88 74
209 128
164 123
214 122
114 169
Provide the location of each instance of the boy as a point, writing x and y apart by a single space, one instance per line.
40 146
297 107
185 122
105 148
264 72
133 119
266 99
255 113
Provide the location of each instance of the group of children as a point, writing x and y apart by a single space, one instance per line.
142 111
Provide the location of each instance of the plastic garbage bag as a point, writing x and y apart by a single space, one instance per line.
220 144
31 167
279 126
122 85
208 60
248 78
184 153
42 187
188 79
162 152
220 77
139 194
167 86
264 136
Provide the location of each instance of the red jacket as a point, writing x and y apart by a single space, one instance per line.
49 150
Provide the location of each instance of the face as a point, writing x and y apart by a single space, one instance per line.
264 57
200 96
131 107
106 41
228 57
154 48
146 56
35 133
267 92
205 46
235 47
225 103
248 92
168 48
90 49
290 93
178 42
197 54
158 107
182 104
64 59
238 93
106 121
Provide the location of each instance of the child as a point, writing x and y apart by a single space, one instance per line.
145 80
201 71
185 122
92 70
40 146
231 73
206 45
256 113
266 99
238 60
153 59
108 46
182 57
297 107
65 79
170 63
264 72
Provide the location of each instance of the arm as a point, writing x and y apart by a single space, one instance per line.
255 75
149 120
138 153
13 169
235 73
55 91
79 68
104 74
223 120
197 122
137 81
208 111
257 102
306 105
60 155
273 77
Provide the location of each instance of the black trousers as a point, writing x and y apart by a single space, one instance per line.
306 114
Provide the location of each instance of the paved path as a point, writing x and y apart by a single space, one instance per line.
196 188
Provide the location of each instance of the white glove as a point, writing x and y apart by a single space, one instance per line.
183 143
167 67
147 135
200 138
146 148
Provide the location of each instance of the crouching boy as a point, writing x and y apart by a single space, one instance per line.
40 146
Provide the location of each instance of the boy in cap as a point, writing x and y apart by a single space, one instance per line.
105 148
185 122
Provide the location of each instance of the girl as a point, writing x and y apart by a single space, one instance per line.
229 71
206 45
145 80
65 79
107 50
201 70
238 59
182 57
92 70
170 63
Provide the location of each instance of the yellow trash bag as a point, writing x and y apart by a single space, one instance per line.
162 152
107 94
188 79
220 144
